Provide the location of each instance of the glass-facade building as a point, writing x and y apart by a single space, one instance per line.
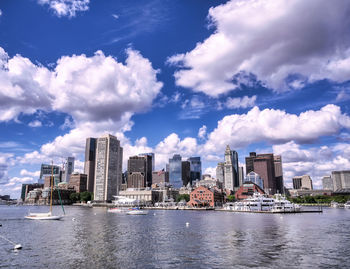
255 178
175 171
196 168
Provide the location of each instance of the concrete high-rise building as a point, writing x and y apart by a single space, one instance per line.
249 162
46 170
196 168
186 172
264 166
278 173
220 172
153 159
136 180
327 183
68 169
78 182
108 169
175 171
143 165
229 170
341 180
240 175
302 182
90 162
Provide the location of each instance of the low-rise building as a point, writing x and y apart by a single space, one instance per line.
305 192
144 196
78 182
247 190
203 197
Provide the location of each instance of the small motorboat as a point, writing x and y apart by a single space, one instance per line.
117 210
137 211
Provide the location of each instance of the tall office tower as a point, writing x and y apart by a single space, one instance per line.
264 166
153 159
279 173
196 168
327 183
341 180
229 171
175 171
235 168
139 165
302 182
240 175
90 162
186 172
46 170
68 169
220 172
108 171
249 162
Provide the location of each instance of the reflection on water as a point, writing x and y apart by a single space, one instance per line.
93 238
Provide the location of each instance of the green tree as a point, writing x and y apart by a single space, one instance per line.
231 198
85 196
181 197
74 197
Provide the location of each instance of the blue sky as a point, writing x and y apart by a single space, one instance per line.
170 77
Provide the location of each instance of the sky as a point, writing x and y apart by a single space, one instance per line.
174 76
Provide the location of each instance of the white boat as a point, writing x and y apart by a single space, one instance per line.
261 203
334 204
48 215
347 205
43 216
118 210
137 212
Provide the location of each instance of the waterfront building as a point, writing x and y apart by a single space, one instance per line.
196 168
143 196
149 162
305 192
26 188
46 170
186 173
278 173
175 171
341 180
255 178
108 169
203 197
327 183
68 169
220 172
90 162
247 190
78 182
160 177
302 182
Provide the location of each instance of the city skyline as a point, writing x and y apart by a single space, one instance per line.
174 77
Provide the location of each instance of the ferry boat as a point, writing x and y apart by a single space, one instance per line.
261 203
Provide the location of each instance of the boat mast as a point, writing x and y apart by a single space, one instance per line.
51 181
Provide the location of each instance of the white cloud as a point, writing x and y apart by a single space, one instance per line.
316 161
278 41
67 8
211 171
35 123
25 172
342 96
202 133
275 127
239 102
115 16
0 12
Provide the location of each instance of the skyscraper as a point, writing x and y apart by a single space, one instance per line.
153 159
68 169
220 172
90 162
108 169
249 162
229 170
138 165
186 172
46 170
264 166
240 175
175 171
196 168
278 173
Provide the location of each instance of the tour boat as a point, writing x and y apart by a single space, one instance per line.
347 205
261 203
46 216
137 211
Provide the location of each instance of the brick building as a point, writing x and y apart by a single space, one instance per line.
78 182
203 196
247 189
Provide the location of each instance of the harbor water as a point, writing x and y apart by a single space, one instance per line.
94 238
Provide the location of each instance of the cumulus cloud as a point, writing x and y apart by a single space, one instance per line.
240 102
276 127
99 93
278 41
67 8
35 123
25 172
202 132
315 161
